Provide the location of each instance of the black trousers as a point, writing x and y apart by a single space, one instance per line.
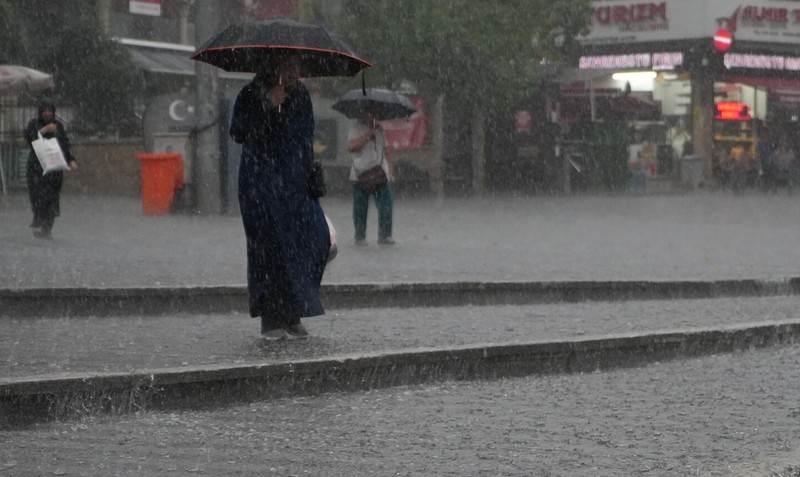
44 192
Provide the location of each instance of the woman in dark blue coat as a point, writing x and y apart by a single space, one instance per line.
287 236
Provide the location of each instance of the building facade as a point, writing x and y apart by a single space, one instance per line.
706 79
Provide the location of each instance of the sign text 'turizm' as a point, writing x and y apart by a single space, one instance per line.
636 13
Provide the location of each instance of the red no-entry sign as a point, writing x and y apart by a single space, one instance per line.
723 39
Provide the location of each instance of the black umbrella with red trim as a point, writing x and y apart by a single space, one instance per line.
252 47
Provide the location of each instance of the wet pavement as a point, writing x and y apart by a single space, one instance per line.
731 414
107 242
728 415
33 346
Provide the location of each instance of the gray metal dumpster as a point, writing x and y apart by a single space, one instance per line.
691 169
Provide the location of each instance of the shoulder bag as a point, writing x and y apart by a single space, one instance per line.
372 178
316 181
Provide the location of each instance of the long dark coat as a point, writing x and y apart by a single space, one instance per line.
44 190
287 235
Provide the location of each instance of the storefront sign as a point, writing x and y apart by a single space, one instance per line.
145 7
633 21
759 20
634 17
641 21
634 61
762 62
732 111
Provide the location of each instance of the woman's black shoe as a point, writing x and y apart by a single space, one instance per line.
297 330
271 330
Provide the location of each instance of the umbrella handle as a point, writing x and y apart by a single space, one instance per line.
280 83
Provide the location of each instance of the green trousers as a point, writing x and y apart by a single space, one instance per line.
384 201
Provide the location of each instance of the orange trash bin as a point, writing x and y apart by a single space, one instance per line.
162 175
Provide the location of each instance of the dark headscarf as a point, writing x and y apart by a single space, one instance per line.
46 105
267 73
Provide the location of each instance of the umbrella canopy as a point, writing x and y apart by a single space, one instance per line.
247 47
384 104
16 79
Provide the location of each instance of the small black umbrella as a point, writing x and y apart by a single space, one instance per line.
247 47
384 104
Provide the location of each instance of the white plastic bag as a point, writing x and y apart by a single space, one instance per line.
49 153
334 249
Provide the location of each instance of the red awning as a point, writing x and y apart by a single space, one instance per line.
265 9
609 108
783 93
407 133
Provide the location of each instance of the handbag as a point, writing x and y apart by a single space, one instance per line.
316 181
50 155
372 178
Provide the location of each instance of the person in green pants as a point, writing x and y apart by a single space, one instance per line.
370 157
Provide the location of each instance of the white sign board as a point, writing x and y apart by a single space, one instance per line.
145 7
637 21
766 21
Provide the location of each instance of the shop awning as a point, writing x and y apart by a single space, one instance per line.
167 58
609 108
610 104
763 82
783 93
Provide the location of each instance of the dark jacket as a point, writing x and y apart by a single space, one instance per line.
44 190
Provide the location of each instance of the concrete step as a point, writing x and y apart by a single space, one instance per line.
25 400
66 302
55 368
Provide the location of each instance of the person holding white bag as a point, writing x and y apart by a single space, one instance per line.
44 188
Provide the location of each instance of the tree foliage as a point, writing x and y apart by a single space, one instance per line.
91 72
477 50
11 38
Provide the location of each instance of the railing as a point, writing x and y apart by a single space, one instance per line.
14 158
